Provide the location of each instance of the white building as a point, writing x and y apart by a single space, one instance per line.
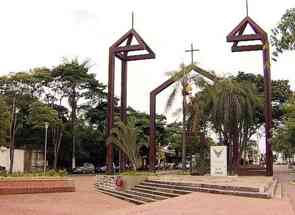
18 161
24 160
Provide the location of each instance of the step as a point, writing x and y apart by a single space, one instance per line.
171 186
105 185
120 196
130 195
166 190
216 191
233 192
153 196
210 186
134 196
164 194
98 185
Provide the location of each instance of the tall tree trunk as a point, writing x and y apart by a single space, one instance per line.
74 109
12 134
236 150
57 143
184 132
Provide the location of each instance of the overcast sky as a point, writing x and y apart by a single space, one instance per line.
42 32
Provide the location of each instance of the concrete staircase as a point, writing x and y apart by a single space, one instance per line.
156 190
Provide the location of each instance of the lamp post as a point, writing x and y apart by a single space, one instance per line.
45 147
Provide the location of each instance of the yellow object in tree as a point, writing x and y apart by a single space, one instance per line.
188 89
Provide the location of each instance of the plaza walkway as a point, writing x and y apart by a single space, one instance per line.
85 201
288 189
211 204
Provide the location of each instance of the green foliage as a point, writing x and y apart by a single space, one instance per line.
283 35
4 121
284 135
41 113
229 106
231 103
281 92
184 78
73 80
124 137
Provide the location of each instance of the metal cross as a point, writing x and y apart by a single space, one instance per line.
192 50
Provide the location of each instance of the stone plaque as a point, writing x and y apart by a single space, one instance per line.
218 160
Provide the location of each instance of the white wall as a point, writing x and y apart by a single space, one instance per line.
4 157
19 158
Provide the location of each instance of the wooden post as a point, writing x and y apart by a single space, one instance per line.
267 109
111 89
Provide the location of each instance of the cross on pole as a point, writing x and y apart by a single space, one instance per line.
132 20
192 50
247 8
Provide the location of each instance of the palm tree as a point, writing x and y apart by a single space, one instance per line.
124 137
182 84
230 104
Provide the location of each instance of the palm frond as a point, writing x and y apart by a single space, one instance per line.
171 99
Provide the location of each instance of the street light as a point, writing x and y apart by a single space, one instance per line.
45 147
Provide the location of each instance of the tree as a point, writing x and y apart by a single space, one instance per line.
231 106
17 90
283 35
174 136
280 94
283 141
41 113
58 131
75 81
124 137
182 84
4 121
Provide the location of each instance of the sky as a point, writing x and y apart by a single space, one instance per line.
37 33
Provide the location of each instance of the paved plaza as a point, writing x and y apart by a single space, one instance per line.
86 201
261 183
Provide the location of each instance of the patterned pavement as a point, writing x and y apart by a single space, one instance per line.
86 201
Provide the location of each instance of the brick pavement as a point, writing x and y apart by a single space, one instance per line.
211 204
85 201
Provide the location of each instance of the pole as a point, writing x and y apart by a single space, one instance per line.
45 147
247 8
192 53
110 113
267 109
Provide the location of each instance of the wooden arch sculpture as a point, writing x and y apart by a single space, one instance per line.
130 47
236 36
153 95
